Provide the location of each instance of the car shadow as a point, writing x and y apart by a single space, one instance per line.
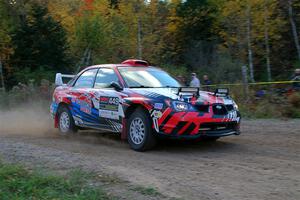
163 145
179 146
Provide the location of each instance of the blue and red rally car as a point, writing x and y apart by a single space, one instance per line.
141 103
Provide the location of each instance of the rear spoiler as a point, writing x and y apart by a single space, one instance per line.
59 78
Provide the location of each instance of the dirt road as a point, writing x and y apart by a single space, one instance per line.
262 163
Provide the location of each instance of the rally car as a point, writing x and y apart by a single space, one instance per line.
141 103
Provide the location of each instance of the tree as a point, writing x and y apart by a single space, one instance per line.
40 42
252 31
6 50
294 27
267 40
154 25
249 40
195 32
171 49
5 38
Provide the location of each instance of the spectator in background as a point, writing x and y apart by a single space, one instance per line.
195 81
206 82
296 77
182 80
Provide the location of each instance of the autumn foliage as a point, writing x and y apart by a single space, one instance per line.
214 37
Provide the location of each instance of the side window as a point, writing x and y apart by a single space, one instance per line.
104 78
86 79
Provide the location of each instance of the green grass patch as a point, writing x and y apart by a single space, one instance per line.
149 191
19 183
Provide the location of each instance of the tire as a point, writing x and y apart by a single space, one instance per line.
66 124
139 131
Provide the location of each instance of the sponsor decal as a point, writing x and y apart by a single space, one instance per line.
109 107
108 114
158 106
156 114
84 106
109 103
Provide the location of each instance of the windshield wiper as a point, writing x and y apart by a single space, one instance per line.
167 86
140 86
143 86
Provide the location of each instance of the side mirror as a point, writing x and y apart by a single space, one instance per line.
116 86
58 79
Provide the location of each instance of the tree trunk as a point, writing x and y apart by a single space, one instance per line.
294 27
250 56
267 43
2 78
139 39
84 58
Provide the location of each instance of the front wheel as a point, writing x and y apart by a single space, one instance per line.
139 132
66 123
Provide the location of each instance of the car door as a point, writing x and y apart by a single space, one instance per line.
81 97
107 100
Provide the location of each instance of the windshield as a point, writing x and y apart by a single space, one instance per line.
147 77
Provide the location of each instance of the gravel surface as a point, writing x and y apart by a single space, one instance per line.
262 163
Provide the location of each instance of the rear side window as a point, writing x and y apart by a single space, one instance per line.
86 79
104 78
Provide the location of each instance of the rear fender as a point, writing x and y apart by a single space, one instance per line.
63 103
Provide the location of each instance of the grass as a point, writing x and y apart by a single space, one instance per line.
17 183
148 191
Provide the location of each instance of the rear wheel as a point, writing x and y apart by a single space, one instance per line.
139 132
66 122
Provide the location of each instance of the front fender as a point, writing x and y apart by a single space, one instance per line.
153 107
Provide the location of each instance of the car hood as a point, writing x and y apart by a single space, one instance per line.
161 94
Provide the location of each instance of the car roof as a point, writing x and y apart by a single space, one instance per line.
126 63
113 66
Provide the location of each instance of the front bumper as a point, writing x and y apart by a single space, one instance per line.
192 125
219 129
205 133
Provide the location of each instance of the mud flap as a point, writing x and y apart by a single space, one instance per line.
124 129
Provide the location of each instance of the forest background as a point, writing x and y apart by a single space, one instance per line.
216 37
39 38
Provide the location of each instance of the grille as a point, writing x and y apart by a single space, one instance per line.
217 126
219 109
202 108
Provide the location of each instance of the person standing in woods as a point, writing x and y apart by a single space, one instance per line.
296 77
195 81
206 82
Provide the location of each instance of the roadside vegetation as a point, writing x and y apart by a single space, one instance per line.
148 191
39 38
216 37
16 182
271 105
20 182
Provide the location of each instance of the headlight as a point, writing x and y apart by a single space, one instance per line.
236 107
180 106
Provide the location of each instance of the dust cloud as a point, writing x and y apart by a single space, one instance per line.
29 119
